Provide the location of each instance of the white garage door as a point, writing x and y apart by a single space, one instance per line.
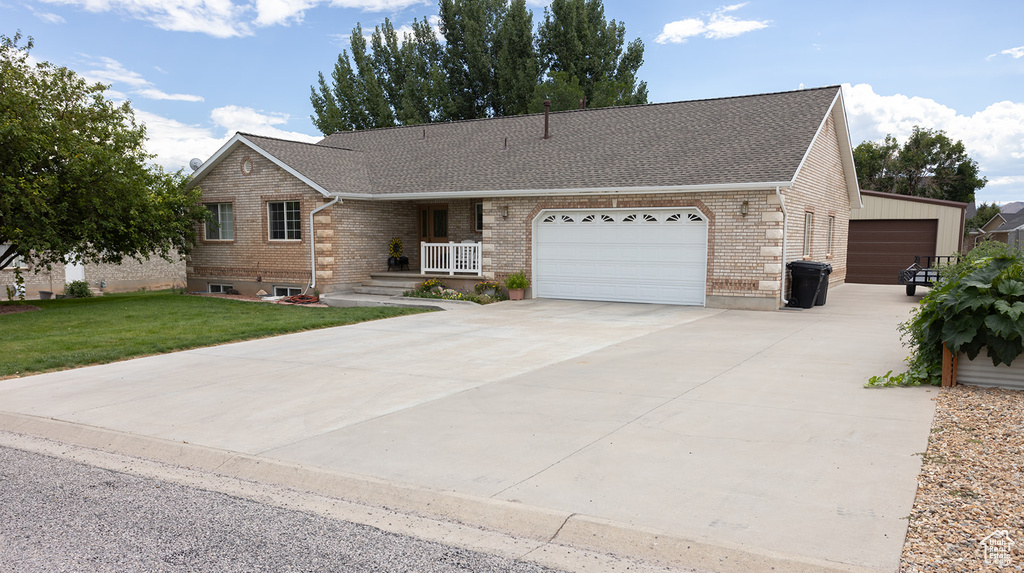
628 255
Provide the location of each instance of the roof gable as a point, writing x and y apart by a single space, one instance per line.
328 171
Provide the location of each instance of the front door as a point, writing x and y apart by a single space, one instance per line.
434 223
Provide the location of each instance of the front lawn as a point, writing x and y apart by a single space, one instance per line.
77 332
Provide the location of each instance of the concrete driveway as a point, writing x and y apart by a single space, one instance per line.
730 440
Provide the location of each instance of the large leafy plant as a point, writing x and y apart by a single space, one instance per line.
978 304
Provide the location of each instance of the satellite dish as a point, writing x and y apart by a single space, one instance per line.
195 163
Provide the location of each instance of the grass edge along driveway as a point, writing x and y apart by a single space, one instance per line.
68 333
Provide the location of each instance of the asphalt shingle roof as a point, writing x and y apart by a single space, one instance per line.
759 138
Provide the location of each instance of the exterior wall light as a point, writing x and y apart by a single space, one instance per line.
745 208
504 212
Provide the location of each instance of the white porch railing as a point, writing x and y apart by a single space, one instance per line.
451 258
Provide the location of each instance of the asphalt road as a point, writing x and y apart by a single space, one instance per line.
61 516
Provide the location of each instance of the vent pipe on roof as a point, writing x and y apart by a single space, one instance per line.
424 133
506 144
583 103
547 110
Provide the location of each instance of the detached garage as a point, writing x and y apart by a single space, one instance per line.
891 230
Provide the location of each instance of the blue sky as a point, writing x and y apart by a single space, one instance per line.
196 71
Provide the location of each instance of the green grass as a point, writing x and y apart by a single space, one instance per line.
77 332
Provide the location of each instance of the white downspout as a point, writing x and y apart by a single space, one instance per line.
312 241
785 235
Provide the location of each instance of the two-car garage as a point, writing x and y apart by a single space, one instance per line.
656 255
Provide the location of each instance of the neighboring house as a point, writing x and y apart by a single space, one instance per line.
891 230
130 275
1006 226
699 202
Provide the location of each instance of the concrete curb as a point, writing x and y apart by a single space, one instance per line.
514 519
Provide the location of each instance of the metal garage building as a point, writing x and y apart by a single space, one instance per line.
891 229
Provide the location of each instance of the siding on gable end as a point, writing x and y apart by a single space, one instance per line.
820 188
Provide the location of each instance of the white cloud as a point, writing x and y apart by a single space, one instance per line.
235 118
111 71
226 18
1017 52
994 136
48 17
716 26
153 93
218 18
175 143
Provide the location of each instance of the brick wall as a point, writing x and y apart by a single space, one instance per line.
744 252
130 275
820 189
251 261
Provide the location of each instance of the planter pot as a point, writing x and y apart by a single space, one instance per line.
45 295
488 292
516 293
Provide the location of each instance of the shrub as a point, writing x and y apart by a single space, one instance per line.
430 285
480 287
977 303
77 289
517 280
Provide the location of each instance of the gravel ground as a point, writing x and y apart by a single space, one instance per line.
971 484
61 516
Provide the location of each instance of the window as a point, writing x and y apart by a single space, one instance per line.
221 227
285 221
287 291
218 288
479 210
831 232
808 229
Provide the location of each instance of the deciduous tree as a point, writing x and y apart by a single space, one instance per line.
74 174
929 164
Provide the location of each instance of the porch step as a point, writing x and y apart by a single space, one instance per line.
383 290
395 282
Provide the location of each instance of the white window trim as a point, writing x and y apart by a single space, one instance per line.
17 263
270 232
808 232
289 288
220 227
221 288
831 234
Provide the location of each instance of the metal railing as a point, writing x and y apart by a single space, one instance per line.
451 258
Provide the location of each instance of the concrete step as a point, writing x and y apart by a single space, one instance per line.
383 290
405 284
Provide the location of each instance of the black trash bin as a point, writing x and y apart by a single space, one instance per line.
807 279
823 290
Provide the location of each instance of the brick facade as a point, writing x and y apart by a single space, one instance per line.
820 189
745 252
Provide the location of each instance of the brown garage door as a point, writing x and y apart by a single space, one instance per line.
878 250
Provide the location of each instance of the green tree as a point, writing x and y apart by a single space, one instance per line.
517 70
929 164
576 40
74 179
490 64
984 214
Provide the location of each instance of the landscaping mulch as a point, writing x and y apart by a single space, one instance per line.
14 308
971 485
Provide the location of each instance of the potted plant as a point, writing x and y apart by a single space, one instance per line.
395 258
488 288
516 284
